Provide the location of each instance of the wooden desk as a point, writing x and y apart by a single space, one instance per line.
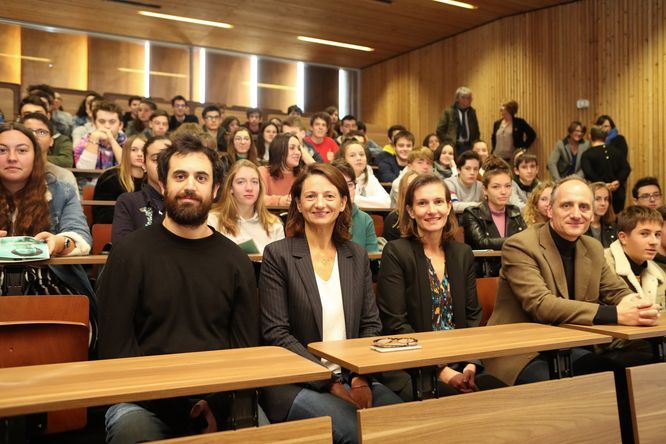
107 203
656 335
647 389
84 171
95 259
487 253
283 209
455 345
256 257
43 388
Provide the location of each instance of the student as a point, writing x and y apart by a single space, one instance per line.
538 202
253 123
146 108
369 193
347 124
660 258
362 226
511 133
61 150
319 263
284 166
390 165
131 114
426 283
445 161
241 213
525 169
647 192
389 149
602 225
632 255
175 287
466 190
419 160
84 122
267 133
334 114
481 148
606 164
125 178
566 156
212 118
102 148
369 144
158 125
490 224
458 124
227 127
180 116
325 146
432 141
145 207
241 146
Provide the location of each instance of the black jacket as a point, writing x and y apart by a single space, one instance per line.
608 234
482 234
523 134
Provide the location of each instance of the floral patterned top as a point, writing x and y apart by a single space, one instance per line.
442 306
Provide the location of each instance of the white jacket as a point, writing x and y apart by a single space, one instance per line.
370 193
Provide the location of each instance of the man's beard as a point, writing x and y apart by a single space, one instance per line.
191 214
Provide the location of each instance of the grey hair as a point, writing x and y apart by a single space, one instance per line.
462 91
562 181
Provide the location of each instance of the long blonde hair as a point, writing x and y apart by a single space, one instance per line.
226 209
531 213
125 167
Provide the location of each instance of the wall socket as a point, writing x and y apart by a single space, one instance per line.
582 104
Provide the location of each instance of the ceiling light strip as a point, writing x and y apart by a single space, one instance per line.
334 43
458 4
178 18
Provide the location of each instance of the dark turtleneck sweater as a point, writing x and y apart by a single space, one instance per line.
567 249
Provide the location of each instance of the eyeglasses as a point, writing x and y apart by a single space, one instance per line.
41 132
209 117
395 342
653 196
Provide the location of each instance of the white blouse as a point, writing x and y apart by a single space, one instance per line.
251 229
332 310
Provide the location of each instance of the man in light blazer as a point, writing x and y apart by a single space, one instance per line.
553 274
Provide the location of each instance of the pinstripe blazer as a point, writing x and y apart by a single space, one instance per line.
291 312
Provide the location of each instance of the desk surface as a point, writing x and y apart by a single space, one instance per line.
93 259
455 345
43 388
99 203
625 331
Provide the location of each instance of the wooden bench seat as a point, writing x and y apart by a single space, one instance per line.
572 410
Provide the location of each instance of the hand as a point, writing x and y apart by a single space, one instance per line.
361 392
98 136
330 155
338 389
615 184
284 200
3 233
632 310
202 408
469 375
51 241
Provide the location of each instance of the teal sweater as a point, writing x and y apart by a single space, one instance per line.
363 230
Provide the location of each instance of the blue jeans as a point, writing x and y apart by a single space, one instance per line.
130 423
312 404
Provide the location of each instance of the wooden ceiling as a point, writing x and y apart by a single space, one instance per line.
268 27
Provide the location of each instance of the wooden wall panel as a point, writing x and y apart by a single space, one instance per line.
321 88
65 59
276 84
170 72
10 53
227 77
611 52
116 66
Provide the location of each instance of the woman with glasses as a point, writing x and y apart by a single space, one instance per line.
285 164
241 146
565 158
427 282
316 286
602 225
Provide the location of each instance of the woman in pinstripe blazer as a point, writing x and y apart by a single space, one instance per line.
317 286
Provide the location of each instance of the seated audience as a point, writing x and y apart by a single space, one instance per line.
458 124
369 193
133 108
538 202
62 120
525 169
605 163
266 135
180 116
647 192
318 277
145 207
660 258
61 151
466 190
427 282
177 287
369 144
294 110
140 124
334 126
490 224
347 124
102 148
511 133
320 124
284 166
124 178
566 156
602 224
419 160
228 126
632 255
253 123
84 122
294 125
212 118
388 148
362 226
445 161
42 128
390 165
158 125
553 274
241 213
391 229
36 204
432 141
240 146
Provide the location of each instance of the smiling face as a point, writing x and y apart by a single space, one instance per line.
17 157
641 243
433 142
446 157
152 152
293 153
319 128
269 133
571 211
355 156
481 149
577 134
320 202
430 209
403 146
245 187
544 202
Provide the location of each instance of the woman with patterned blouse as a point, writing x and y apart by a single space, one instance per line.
427 282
